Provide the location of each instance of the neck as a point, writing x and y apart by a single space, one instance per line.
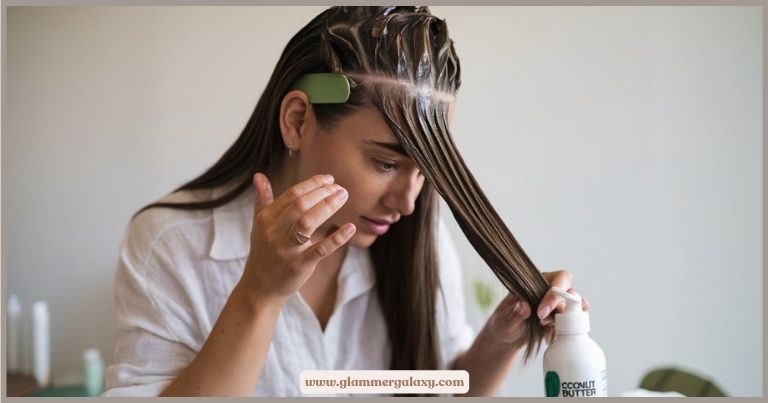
282 175
331 265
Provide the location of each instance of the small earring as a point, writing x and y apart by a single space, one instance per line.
290 149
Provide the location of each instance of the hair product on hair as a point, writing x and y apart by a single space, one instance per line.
574 365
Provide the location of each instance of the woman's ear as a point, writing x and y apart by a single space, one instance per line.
296 118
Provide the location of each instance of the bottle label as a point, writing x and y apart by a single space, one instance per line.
557 387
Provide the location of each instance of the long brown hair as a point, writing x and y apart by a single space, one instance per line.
402 61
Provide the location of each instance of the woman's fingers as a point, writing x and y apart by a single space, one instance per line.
549 304
329 244
516 322
560 278
313 209
584 303
298 190
560 306
508 321
523 309
275 266
300 198
512 306
551 301
264 194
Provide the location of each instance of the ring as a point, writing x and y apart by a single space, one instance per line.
298 237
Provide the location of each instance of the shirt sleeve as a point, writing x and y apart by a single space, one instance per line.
455 333
152 327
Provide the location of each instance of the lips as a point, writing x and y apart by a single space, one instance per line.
380 221
377 226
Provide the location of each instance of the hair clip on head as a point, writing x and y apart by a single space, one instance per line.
324 88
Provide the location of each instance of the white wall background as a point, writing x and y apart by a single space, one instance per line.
623 144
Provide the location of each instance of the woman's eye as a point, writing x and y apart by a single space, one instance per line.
385 166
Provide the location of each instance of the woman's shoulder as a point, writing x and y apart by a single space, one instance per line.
160 216
192 229
152 223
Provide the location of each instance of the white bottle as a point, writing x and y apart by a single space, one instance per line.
93 369
41 344
574 365
13 348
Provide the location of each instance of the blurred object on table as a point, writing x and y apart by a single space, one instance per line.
677 380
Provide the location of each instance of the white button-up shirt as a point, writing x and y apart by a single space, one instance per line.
177 268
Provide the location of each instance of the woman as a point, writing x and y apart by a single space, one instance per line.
313 242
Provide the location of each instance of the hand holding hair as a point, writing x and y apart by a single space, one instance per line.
284 247
508 321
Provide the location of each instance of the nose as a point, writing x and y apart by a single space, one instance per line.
403 193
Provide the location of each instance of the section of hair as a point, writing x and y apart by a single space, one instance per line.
411 75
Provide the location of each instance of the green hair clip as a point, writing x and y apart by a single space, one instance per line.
324 88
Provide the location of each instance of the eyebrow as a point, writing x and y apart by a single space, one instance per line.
396 147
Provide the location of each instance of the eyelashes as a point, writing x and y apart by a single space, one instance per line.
389 167
385 166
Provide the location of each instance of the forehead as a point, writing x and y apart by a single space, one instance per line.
366 123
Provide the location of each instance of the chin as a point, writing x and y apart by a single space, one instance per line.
362 240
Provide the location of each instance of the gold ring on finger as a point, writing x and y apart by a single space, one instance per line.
298 237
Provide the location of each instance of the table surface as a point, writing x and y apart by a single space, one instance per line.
20 385
26 385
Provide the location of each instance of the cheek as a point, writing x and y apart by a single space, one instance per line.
365 189
363 200
353 208
351 212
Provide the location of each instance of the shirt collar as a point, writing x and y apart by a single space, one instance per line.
232 226
356 275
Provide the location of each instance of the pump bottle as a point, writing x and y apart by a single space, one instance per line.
574 365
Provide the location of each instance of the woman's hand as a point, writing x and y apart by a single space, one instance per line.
284 247
508 322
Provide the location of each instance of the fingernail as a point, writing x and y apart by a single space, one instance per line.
544 311
348 229
546 321
329 178
339 195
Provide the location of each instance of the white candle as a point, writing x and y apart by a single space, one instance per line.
41 341
13 348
